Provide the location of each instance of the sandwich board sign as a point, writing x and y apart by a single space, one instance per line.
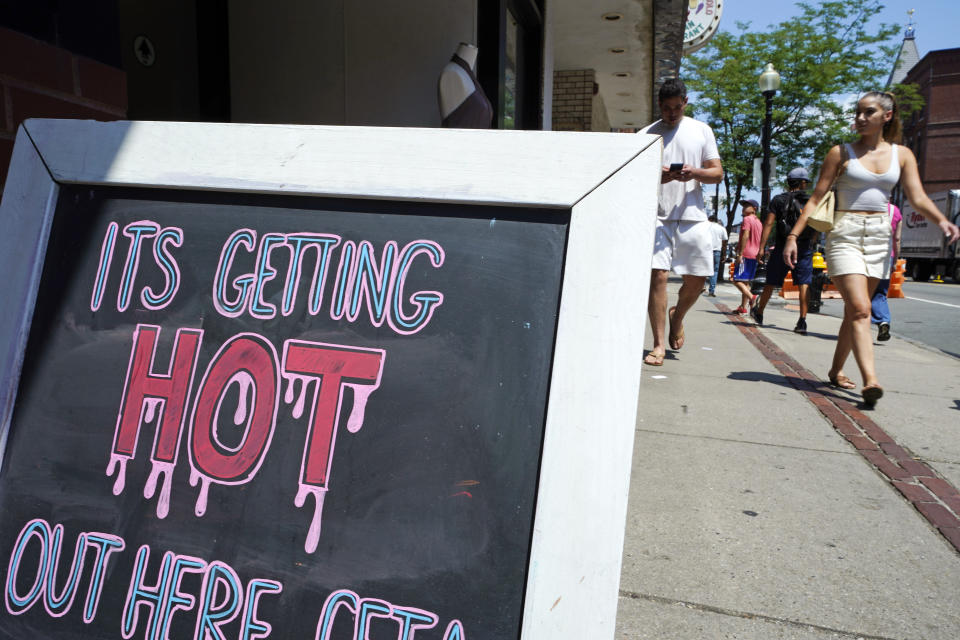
318 382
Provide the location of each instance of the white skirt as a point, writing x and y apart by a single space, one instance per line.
860 243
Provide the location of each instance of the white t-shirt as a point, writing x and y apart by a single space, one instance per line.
718 233
691 142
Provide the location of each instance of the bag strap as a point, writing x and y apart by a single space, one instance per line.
844 159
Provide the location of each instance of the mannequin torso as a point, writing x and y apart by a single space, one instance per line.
455 83
462 101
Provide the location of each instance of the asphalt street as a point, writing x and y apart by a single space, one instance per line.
929 315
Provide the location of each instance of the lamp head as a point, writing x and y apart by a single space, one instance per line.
769 79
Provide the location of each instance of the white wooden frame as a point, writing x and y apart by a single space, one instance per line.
608 183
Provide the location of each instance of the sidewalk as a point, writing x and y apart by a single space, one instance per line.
766 505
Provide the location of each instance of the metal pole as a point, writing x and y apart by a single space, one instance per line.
765 165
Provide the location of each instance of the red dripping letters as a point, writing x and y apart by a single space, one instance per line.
161 396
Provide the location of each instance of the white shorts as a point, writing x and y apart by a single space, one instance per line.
685 247
860 243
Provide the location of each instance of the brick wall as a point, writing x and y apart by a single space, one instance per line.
935 133
577 106
39 80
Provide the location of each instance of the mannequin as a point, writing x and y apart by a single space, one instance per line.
463 104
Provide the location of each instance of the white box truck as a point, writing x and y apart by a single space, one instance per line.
923 244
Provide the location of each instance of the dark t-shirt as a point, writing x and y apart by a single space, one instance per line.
778 207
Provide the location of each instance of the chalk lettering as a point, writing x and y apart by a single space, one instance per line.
17 603
454 631
220 600
264 273
106 257
104 544
371 282
413 619
50 541
147 394
231 309
332 367
169 266
57 605
250 362
136 231
252 627
143 595
220 585
363 610
300 243
425 301
361 279
343 282
174 599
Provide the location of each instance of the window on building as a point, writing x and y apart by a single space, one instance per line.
510 63
508 119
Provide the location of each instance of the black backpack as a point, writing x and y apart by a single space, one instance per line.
791 213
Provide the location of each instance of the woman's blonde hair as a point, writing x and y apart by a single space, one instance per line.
892 130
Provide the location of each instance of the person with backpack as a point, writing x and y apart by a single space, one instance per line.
785 210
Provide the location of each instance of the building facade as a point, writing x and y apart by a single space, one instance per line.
335 62
933 133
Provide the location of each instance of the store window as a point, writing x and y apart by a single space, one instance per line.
508 119
510 63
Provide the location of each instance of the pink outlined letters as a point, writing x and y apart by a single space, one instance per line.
155 597
147 396
249 361
360 279
364 610
138 233
44 584
332 367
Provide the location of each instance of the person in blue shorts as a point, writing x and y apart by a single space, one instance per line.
748 247
785 208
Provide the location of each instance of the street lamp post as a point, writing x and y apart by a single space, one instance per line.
769 83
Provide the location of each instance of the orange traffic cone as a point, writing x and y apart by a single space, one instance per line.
789 290
896 280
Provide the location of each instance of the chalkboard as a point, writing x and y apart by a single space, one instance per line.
178 417
263 381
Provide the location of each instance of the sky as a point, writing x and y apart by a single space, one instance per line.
935 22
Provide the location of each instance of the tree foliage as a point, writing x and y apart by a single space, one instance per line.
824 55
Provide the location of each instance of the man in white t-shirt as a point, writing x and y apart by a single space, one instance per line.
683 241
718 233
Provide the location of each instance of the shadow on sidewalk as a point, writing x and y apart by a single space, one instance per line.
810 334
745 319
760 376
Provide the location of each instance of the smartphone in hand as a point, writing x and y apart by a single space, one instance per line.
676 167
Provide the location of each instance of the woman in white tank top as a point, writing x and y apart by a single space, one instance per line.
858 246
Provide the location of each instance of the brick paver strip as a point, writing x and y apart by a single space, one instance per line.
952 534
938 515
941 488
917 469
936 499
914 492
896 452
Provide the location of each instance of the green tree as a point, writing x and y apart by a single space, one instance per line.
824 55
